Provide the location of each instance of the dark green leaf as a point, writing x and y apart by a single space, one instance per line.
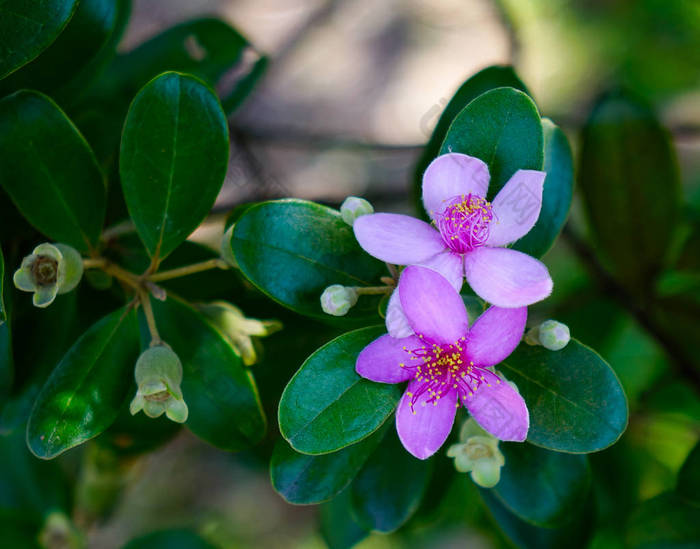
27 27
84 393
630 184
292 250
223 402
575 400
49 170
327 405
169 539
689 477
305 479
556 197
390 486
338 527
483 81
664 522
173 159
503 128
542 487
3 313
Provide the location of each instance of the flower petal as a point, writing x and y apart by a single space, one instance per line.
449 265
44 295
433 308
505 277
516 207
495 334
396 322
396 238
425 427
381 360
48 250
23 280
500 410
451 175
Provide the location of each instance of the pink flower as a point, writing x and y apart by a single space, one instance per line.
445 361
468 233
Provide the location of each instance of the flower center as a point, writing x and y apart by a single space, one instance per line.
45 270
464 225
441 368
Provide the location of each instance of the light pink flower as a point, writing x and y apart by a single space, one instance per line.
445 361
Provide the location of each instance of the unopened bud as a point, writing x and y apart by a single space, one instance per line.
478 454
51 269
354 207
59 532
550 334
158 375
337 300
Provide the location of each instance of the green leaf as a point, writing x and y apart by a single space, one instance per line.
390 486
557 193
27 27
575 400
224 406
3 313
292 250
503 128
630 185
173 159
337 525
83 394
689 477
327 405
49 170
64 69
664 522
542 487
483 81
169 539
305 479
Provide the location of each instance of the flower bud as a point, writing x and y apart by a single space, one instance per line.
238 328
158 375
354 207
478 454
225 249
336 300
58 531
554 335
51 269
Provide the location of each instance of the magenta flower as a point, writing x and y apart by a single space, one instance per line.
469 233
445 361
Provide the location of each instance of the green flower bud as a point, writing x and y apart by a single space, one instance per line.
59 531
354 207
554 335
478 454
337 300
158 375
226 251
239 329
51 269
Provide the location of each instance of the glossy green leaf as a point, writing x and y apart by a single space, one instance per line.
664 522
483 81
292 250
67 65
689 477
337 525
557 193
327 405
575 400
305 479
390 486
169 539
173 159
630 185
223 402
542 487
83 394
49 170
503 128
27 27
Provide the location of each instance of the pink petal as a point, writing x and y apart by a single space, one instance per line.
451 175
505 277
423 432
500 410
449 265
396 238
495 334
516 207
381 360
433 308
396 322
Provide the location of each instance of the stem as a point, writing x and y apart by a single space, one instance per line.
125 227
372 290
393 271
122 274
145 299
96 263
189 269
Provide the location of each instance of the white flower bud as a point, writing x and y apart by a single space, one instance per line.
354 207
337 300
554 335
478 454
